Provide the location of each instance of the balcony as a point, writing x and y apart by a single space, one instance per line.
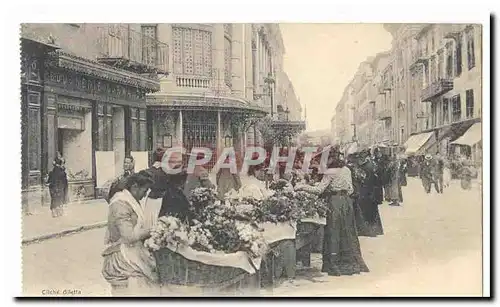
125 48
193 81
436 88
385 114
419 57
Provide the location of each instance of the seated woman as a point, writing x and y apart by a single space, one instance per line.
251 185
128 265
341 249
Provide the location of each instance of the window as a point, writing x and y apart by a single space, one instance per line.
192 51
105 127
433 115
440 64
446 111
469 104
471 59
459 57
149 45
456 111
449 62
137 129
227 53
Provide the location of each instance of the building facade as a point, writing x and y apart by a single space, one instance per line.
99 92
76 103
223 76
428 90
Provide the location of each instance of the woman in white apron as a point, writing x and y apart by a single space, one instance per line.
128 266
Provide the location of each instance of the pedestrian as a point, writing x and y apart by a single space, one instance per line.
58 187
174 201
427 173
380 169
396 173
227 181
367 202
63 166
199 178
357 176
341 249
118 183
439 171
128 265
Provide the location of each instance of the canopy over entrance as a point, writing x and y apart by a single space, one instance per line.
471 137
415 143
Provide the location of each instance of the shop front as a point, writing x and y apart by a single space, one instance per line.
201 121
88 112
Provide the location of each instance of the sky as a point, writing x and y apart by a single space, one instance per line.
321 59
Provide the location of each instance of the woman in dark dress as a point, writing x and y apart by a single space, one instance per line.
380 165
341 248
367 202
357 177
58 187
174 202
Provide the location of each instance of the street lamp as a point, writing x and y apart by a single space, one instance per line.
269 80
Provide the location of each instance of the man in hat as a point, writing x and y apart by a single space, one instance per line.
427 173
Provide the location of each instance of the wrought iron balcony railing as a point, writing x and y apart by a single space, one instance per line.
436 88
123 47
419 57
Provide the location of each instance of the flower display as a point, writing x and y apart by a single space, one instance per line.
217 227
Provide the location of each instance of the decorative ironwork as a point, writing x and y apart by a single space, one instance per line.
200 130
436 88
123 47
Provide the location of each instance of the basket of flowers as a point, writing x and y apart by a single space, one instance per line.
213 249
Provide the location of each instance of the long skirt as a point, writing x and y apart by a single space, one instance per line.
378 194
371 216
396 194
361 226
131 271
341 248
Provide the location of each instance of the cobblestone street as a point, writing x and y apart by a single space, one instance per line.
431 246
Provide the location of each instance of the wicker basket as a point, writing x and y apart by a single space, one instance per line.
279 262
174 269
309 236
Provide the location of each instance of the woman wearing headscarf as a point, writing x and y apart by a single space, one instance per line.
58 187
128 265
341 248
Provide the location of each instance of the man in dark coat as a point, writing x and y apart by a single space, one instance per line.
119 183
427 173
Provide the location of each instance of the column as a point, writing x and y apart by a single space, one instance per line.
119 138
180 131
218 53
52 134
238 78
219 133
247 43
165 36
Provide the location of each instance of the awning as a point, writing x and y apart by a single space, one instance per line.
471 137
415 142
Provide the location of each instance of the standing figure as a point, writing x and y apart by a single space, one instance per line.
367 203
396 173
197 179
358 176
227 181
58 187
128 265
341 249
158 189
427 173
380 168
439 172
118 183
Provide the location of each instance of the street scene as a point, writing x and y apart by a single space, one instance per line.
203 160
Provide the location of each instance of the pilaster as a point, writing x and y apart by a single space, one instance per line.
237 63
